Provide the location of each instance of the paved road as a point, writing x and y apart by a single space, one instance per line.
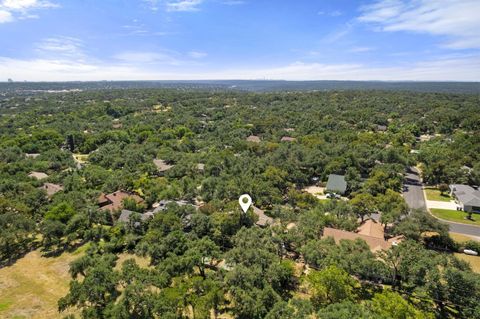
415 199
413 192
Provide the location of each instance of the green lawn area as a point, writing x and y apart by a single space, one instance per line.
434 194
455 216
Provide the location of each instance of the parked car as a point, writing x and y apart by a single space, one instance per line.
470 252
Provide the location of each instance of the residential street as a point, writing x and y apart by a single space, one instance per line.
413 193
415 199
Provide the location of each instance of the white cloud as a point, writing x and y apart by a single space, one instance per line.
444 69
61 46
5 16
197 54
12 9
183 5
360 49
455 19
138 57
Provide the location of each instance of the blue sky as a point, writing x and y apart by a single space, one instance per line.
52 40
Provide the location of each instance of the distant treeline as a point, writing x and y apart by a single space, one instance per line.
248 85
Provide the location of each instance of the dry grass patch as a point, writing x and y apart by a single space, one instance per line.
31 287
474 261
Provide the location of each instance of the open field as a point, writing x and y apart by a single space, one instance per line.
31 287
460 238
474 261
455 216
434 194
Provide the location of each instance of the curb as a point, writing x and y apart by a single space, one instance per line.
441 219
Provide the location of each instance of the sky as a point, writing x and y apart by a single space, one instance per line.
388 40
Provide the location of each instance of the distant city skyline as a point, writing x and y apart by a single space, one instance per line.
387 40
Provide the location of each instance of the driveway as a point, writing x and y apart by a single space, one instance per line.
442 205
415 199
413 192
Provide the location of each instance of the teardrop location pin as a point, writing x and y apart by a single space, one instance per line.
245 201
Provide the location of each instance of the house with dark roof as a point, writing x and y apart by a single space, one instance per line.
336 184
114 201
467 197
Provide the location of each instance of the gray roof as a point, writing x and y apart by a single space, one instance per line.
336 183
466 194
125 216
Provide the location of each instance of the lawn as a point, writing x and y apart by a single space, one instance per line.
31 287
474 261
434 194
455 216
460 238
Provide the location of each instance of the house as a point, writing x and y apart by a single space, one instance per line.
288 139
37 175
201 167
162 166
381 128
51 188
32 155
114 201
125 216
263 220
370 231
467 197
336 184
253 139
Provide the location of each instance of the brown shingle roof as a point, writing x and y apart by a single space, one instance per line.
162 165
38 175
371 228
51 188
263 220
114 201
254 139
374 243
288 139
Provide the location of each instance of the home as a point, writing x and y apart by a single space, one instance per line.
162 166
37 175
382 128
336 184
467 197
253 139
263 220
288 139
370 231
114 201
51 188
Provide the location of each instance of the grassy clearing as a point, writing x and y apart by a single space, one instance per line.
455 216
474 261
31 287
460 238
434 194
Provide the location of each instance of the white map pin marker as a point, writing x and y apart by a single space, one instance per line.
245 205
